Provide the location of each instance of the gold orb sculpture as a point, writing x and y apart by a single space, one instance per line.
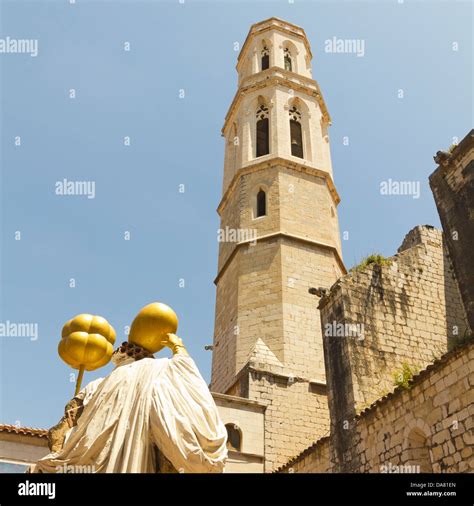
151 325
86 343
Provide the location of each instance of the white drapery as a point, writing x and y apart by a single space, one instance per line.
164 402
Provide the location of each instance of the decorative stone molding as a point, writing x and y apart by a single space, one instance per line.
272 24
282 235
268 163
276 76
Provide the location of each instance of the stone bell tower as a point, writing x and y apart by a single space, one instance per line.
280 236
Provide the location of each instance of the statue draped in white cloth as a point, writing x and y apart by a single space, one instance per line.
148 415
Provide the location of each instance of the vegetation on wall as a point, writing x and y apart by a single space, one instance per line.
374 258
403 377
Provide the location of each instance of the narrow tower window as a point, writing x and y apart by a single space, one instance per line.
261 204
263 139
296 134
265 58
287 59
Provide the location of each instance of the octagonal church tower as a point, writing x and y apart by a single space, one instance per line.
279 237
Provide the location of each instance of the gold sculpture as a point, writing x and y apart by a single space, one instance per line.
86 344
151 327
87 340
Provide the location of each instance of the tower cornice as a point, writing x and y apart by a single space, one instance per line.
282 235
266 25
278 162
276 76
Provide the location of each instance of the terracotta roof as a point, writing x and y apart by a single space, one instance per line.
434 366
26 431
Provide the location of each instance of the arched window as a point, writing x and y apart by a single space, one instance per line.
265 58
261 204
262 131
234 437
417 453
296 133
287 59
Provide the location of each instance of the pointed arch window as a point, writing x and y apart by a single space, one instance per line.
262 131
261 204
287 59
265 58
296 133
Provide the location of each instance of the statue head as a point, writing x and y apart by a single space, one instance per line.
152 325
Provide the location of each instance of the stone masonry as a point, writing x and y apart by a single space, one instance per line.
425 428
408 311
315 370
267 343
452 184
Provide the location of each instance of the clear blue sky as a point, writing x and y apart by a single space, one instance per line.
177 141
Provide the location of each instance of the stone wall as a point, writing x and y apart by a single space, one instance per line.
406 311
315 459
452 184
296 414
267 342
427 427
262 288
248 418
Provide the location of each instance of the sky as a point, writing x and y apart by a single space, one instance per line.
407 96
